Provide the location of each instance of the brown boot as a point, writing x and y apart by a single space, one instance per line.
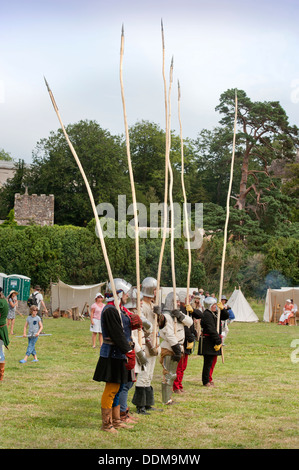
116 421
107 421
2 366
126 417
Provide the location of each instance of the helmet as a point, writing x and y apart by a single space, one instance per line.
148 287
209 301
169 302
182 296
132 300
120 286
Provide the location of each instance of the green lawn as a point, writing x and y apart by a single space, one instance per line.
55 404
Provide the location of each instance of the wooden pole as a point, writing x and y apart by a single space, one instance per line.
157 300
98 224
130 173
227 215
166 170
184 194
227 207
171 191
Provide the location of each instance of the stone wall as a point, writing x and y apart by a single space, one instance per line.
34 209
7 170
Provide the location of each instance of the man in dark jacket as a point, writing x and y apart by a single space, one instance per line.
190 337
210 341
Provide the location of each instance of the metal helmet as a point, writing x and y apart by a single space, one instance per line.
132 300
209 301
182 296
148 286
169 302
121 286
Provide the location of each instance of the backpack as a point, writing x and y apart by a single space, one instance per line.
32 300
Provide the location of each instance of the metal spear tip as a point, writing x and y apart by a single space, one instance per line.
47 84
162 33
122 30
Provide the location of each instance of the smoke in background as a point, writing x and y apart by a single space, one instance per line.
273 280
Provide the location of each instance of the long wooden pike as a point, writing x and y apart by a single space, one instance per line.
98 224
171 191
165 211
130 171
227 215
184 194
166 170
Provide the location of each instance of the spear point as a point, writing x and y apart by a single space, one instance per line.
47 84
51 95
162 32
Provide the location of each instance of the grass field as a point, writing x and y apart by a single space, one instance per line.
55 404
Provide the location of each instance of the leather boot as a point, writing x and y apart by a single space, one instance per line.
116 421
127 418
2 366
107 421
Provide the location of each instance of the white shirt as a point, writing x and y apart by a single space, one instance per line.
39 298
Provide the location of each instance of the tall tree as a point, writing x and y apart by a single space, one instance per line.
264 135
11 187
55 171
5 156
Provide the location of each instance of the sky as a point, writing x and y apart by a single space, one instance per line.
215 44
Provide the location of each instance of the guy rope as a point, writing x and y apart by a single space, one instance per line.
227 215
98 224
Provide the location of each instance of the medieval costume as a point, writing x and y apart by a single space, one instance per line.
210 341
288 312
141 361
190 337
4 340
231 317
144 394
172 333
116 362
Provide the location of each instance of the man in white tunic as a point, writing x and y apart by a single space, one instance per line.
172 346
144 394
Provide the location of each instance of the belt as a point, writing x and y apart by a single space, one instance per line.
108 341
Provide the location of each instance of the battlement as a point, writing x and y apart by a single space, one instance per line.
37 209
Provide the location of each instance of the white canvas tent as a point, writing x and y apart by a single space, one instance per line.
64 296
241 308
278 297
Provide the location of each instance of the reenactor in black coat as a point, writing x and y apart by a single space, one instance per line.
210 341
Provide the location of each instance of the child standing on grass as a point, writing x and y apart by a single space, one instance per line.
35 327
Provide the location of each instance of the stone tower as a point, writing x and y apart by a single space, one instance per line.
34 209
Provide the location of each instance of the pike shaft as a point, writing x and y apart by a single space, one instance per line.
131 175
227 209
98 225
